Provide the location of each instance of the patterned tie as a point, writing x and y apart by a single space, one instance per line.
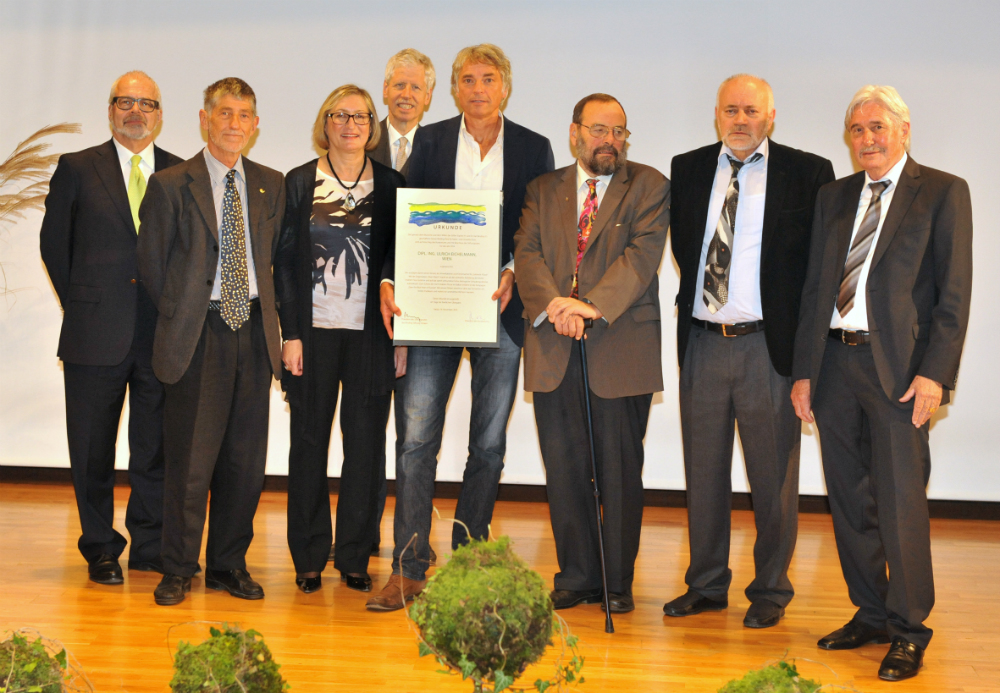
401 153
859 249
136 189
585 226
235 290
720 253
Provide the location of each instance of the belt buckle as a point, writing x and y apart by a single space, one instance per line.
726 334
843 337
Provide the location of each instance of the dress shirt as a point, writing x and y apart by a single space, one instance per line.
857 316
147 164
217 172
744 270
393 135
582 189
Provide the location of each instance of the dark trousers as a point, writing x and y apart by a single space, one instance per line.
337 360
726 380
94 399
619 427
215 439
876 465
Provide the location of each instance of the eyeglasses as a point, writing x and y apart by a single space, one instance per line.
601 131
125 103
341 118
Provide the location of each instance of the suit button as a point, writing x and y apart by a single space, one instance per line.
209 282
132 280
215 248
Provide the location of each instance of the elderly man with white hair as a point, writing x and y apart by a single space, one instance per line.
884 314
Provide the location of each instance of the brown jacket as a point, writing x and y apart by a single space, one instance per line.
617 274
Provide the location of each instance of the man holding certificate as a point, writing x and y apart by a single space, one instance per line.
589 245
477 150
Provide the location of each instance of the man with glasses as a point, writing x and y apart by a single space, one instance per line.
589 245
88 244
742 215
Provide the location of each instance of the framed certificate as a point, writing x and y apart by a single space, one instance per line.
447 267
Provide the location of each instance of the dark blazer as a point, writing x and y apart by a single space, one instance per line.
293 282
617 274
179 253
88 245
793 180
383 150
526 155
919 284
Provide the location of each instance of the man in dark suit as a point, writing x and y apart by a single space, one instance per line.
741 217
589 245
479 149
210 230
884 314
88 242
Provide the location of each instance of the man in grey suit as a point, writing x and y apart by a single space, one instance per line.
407 91
209 233
884 314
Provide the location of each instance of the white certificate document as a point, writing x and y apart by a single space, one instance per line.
447 267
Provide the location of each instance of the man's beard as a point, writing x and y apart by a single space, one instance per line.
602 167
136 130
750 146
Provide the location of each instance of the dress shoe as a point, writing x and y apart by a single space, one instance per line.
902 662
564 599
853 635
237 582
171 589
361 582
309 584
395 594
146 566
692 603
105 570
763 613
620 602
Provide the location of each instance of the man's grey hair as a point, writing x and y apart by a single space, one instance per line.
229 86
746 75
411 57
886 97
134 73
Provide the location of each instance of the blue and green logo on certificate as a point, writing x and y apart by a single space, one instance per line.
434 213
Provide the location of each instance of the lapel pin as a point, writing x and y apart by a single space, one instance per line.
262 189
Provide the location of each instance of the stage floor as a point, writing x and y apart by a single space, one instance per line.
326 641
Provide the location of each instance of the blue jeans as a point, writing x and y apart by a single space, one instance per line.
421 402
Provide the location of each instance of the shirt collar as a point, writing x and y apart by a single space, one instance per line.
726 152
147 155
393 134
893 174
218 170
463 132
582 177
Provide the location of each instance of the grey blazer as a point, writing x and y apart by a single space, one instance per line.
383 150
178 254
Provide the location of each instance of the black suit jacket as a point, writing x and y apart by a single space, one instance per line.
383 150
793 180
88 245
919 283
526 155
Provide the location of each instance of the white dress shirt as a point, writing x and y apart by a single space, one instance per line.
393 135
857 316
217 172
744 270
147 164
582 189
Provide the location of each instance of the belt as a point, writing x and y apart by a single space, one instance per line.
217 305
737 330
851 337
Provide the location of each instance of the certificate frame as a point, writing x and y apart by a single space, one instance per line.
447 267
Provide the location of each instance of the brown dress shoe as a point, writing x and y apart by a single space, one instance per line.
395 594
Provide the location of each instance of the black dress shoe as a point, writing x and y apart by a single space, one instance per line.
620 602
902 662
105 570
692 603
309 584
361 583
171 589
146 566
853 635
564 599
763 613
237 582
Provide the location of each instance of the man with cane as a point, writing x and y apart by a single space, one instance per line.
588 248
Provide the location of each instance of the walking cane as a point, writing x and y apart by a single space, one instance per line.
609 626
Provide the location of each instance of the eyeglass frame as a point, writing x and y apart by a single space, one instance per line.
351 116
625 131
115 99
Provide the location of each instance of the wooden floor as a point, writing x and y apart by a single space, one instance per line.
326 641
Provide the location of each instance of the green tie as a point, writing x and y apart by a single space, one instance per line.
136 189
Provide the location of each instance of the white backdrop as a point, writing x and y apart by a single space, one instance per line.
663 60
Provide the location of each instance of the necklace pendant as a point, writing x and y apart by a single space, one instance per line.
349 202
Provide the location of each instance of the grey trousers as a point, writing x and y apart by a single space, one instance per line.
726 380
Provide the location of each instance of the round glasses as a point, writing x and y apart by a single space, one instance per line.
125 103
341 118
601 131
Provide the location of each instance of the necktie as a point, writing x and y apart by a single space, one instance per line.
136 189
720 251
235 289
859 249
586 224
401 153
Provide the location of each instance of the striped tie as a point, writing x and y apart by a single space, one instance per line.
859 249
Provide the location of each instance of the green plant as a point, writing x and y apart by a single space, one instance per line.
31 663
230 661
487 616
781 677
